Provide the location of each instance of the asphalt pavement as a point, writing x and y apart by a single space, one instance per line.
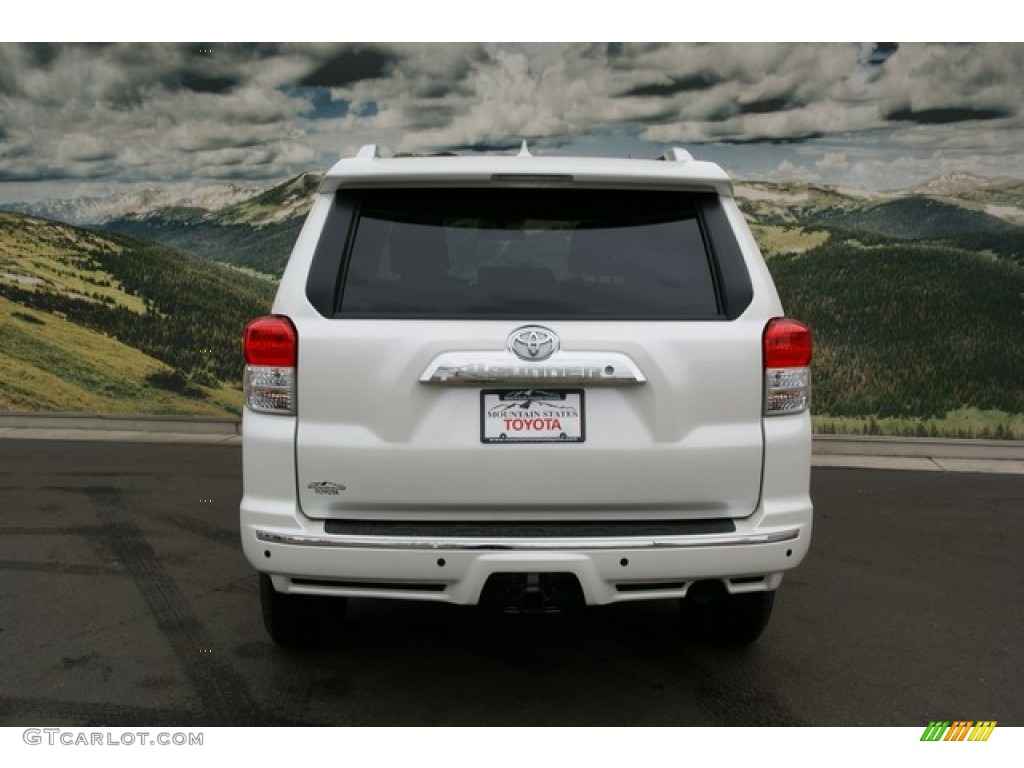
125 600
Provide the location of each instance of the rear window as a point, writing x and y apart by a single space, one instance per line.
506 253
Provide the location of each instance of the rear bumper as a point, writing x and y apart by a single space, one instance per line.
456 570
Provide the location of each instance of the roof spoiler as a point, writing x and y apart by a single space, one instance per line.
671 155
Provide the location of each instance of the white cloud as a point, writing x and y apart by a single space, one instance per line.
789 171
166 112
982 76
833 161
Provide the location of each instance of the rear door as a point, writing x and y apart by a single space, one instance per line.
528 354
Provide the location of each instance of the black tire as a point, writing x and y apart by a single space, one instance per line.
301 621
728 620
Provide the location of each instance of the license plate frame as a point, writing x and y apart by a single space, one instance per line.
537 416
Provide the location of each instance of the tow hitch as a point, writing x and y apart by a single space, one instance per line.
532 592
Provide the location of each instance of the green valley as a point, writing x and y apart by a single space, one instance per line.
255 234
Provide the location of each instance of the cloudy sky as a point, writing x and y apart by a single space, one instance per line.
90 118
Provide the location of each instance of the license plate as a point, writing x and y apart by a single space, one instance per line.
531 416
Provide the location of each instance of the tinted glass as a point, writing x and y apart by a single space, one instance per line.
496 253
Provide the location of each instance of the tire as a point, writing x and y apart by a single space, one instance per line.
728 620
300 621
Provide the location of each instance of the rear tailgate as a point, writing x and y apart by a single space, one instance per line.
686 443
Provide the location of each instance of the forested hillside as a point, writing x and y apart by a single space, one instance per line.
264 250
908 329
171 306
912 217
916 302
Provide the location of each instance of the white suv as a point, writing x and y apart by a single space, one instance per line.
528 382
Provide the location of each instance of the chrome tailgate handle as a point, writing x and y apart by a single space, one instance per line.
562 368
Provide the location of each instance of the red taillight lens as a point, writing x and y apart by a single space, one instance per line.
272 341
270 346
787 344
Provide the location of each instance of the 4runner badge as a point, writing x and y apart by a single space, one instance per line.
533 342
325 488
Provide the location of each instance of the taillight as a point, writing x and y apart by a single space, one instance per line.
270 346
787 373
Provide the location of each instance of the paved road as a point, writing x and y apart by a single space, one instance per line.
125 600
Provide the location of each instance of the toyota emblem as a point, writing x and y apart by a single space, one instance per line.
533 342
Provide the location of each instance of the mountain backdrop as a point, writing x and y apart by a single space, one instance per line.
916 298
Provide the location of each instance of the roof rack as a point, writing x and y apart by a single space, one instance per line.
676 155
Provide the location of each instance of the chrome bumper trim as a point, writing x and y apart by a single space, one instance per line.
527 544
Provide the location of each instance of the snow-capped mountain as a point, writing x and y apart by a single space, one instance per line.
286 201
951 184
257 232
92 211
